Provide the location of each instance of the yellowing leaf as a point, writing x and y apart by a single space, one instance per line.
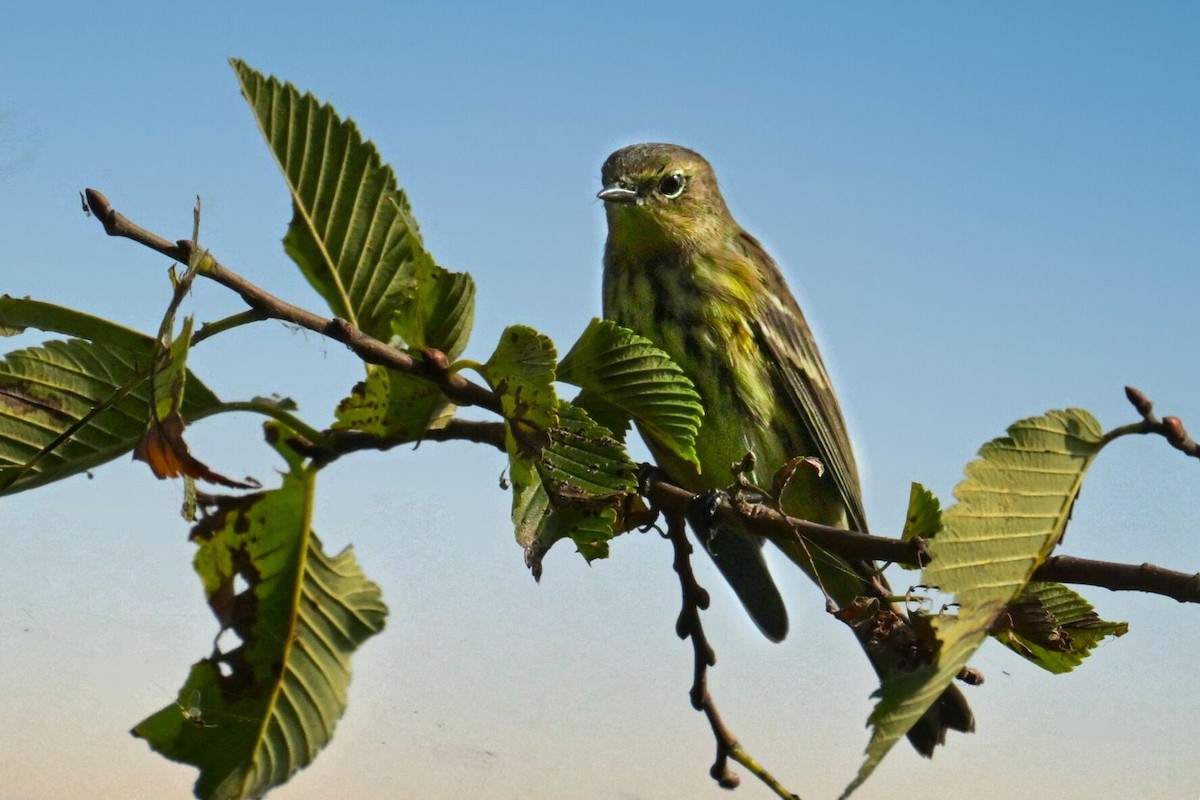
1012 510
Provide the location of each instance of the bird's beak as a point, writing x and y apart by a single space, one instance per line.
617 194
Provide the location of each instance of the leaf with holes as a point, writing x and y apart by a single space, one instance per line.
69 406
521 372
576 489
249 716
393 405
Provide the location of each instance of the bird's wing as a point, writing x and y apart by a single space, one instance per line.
782 332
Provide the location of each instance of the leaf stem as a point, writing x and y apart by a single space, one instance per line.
1142 427
1170 428
269 409
211 329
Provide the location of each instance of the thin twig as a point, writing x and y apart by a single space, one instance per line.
1170 428
317 439
688 626
342 442
431 366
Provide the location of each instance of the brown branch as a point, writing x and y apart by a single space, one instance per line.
688 626
778 527
761 519
1121 577
342 442
431 365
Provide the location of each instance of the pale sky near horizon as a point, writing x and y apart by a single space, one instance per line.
986 211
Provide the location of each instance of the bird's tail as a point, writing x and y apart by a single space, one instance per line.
950 713
895 645
739 557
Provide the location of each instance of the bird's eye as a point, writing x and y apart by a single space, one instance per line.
671 186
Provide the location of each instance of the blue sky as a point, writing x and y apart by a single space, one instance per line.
986 211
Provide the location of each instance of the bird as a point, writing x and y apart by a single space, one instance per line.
680 271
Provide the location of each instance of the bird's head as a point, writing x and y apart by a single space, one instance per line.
661 191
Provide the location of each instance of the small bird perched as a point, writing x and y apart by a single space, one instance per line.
679 270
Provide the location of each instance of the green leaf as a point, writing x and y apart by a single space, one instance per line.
1012 509
252 715
392 404
170 374
352 232
603 413
531 502
924 517
521 372
1054 627
434 308
69 406
19 313
575 489
569 475
624 375
584 463
355 239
